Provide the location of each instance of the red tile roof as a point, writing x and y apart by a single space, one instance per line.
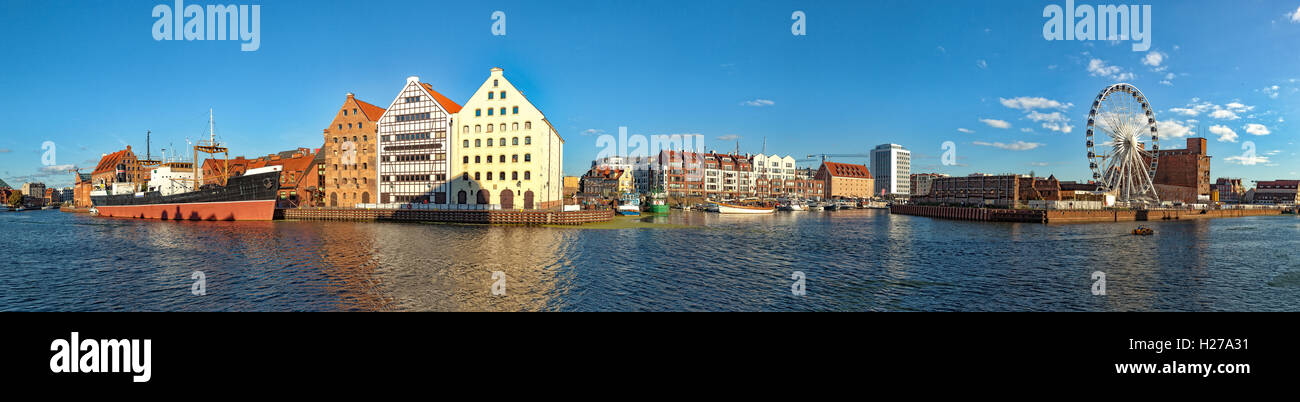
837 169
447 104
109 162
371 112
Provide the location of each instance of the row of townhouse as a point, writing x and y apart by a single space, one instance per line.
496 151
712 175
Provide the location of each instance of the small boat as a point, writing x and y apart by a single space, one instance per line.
93 211
791 206
20 209
1143 231
744 209
46 208
815 207
658 203
629 204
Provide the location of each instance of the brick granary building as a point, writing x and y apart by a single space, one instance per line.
1188 168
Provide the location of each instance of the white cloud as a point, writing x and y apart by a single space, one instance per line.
1238 107
1166 82
982 64
1054 121
593 131
1271 91
1295 16
1247 160
729 137
1224 114
758 102
1030 103
966 130
1026 130
1257 129
1153 59
1173 129
1225 134
1015 146
996 123
1098 68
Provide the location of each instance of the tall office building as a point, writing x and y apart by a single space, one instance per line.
891 165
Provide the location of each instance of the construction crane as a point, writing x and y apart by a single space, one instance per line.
824 156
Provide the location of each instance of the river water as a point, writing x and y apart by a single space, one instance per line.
863 260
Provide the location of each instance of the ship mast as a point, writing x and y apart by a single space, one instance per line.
211 147
148 155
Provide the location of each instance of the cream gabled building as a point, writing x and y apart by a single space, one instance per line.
507 153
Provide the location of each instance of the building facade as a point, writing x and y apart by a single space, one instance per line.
920 182
893 166
350 151
1228 190
413 151
509 154
1189 167
846 180
120 167
1283 192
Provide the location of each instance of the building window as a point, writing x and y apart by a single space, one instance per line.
466 160
503 129
514 175
489 176
494 83
478 143
336 140
528 125
364 138
514 158
476 176
514 126
345 112
490 95
527 176
489 158
528 140
514 141
476 159
340 126
503 110
489 126
466 128
354 110
516 110
528 157
466 144
503 141
490 112
489 142
478 112
478 128
503 94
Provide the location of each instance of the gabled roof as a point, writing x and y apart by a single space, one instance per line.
836 169
3 184
371 112
447 104
109 162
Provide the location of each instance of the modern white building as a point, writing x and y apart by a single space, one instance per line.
891 167
414 146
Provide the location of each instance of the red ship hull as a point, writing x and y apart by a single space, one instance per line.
260 210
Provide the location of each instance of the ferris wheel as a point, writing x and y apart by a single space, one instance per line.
1128 171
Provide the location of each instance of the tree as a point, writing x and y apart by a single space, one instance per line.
16 199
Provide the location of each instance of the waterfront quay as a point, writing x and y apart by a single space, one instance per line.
1075 216
493 217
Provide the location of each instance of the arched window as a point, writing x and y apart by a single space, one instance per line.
489 176
528 125
503 141
466 160
336 140
528 157
489 161
489 140
494 83
340 126
478 128
364 138
527 175
489 127
528 140
476 159
503 125
359 125
514 158
514 141
476 176
514 126
514 175
466 128
503 175
466 143
478 143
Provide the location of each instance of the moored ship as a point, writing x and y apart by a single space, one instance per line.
174 191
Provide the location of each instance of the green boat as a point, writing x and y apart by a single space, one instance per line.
657 202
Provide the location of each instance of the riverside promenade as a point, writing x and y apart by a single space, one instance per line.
534 217
1073 216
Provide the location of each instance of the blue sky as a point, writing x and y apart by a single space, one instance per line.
90 78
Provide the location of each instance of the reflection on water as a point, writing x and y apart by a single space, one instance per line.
853 261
